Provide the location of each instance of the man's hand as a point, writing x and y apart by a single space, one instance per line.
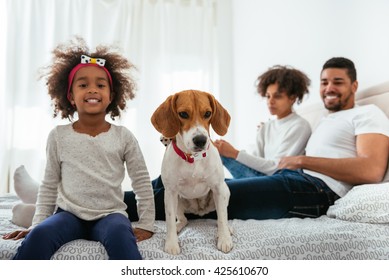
142 234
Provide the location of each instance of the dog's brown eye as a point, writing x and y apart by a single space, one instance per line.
207 114
183 115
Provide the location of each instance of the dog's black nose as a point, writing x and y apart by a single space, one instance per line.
200 141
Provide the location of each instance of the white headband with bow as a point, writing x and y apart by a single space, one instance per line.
86 59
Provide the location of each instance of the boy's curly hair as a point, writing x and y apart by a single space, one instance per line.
67 56
292 81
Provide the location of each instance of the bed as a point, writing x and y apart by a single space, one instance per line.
355 227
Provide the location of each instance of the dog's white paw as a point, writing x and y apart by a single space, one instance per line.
224 243
181 224
172 247
231 230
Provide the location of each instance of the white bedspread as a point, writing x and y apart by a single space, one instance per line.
321 238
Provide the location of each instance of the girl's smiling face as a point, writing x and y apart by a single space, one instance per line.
91 93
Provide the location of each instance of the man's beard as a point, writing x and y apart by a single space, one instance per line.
338 106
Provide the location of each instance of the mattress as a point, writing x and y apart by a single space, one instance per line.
323 238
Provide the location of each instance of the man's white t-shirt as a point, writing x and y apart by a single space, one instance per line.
335 137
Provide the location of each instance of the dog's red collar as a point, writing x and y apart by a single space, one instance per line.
188 157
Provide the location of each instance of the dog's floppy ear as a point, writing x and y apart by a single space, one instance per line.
165 119
220 117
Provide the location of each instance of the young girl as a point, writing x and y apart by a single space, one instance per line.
286 135
85 160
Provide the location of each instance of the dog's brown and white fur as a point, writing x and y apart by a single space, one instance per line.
196 187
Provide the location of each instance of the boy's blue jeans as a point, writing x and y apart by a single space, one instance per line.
113 231
285 194
239 170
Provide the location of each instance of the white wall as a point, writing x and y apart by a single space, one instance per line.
303 34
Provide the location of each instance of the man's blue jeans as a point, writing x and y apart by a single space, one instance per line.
285 194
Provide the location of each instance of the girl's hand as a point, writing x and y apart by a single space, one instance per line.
16 234
142 234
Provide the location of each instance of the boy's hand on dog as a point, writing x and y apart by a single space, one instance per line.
142 234
226 149
16 234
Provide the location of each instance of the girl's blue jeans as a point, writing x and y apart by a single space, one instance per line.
285 194
113 231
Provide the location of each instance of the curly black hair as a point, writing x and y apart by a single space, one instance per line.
67 56
292 81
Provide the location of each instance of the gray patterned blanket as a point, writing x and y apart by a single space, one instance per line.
321 238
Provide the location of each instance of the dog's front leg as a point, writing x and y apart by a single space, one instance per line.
171 242
221 198
182 221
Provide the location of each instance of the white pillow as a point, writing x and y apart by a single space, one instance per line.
22 214
364 203
25 186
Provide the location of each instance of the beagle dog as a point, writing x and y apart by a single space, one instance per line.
192 171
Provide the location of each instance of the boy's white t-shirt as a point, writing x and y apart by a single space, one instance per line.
275 139
335 137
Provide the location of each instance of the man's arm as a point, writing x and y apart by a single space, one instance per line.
368 167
